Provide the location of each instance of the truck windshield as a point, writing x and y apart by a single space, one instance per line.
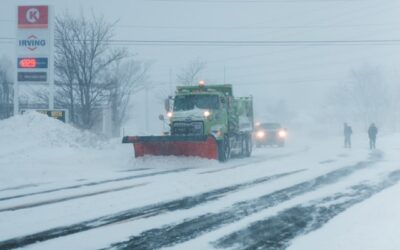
189 102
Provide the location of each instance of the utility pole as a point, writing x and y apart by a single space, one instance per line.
51 59
170 81
16 95
224 74
146 97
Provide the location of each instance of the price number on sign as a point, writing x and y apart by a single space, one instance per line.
27 63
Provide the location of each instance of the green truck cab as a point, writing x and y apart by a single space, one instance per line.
213 110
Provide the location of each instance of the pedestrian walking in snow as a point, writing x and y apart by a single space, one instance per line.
347 131
372 131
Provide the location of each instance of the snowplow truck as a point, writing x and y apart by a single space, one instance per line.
205 121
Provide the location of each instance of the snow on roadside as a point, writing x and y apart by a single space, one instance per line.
37 129
36 148
372 224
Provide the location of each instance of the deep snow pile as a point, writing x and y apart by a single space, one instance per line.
36 148
39 130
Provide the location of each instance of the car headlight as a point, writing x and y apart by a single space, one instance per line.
282 133
207 113
260 134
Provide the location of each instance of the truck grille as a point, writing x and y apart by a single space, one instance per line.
187 128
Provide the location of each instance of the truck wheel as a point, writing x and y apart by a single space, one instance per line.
224 150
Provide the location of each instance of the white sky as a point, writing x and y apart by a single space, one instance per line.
300 74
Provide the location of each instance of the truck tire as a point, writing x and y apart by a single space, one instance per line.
224 150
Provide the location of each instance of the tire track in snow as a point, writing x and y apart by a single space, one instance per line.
67 198
262 159
278 231
151 174
327 161
137 213
135 170
20 187
131 177
173 234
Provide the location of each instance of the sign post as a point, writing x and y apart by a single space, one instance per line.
34 49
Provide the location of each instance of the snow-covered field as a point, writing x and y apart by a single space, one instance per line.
61 188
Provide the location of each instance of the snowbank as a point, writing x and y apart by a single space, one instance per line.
34 148
40 130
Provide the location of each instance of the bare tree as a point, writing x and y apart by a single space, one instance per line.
6 90
124 79
83 59
363 98
189 75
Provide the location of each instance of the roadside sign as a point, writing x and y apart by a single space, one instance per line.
33 17
33 42
33 63
32 76
59 114
34 49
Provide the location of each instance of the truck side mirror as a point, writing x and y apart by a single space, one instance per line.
161 117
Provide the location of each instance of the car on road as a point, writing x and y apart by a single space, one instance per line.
272 134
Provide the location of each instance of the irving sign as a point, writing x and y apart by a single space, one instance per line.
33 17
33 42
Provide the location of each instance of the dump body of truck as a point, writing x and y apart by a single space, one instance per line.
205 121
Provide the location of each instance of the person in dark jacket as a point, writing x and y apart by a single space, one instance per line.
372 131
347 131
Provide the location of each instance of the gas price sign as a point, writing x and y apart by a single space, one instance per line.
33 63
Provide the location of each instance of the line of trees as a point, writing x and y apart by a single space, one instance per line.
365 97
91 74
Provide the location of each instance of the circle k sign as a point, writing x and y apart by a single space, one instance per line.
33 17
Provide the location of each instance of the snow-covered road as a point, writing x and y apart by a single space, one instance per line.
96 198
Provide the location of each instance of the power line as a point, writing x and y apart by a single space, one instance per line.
255 1
227 43
253 42
237 42
254 27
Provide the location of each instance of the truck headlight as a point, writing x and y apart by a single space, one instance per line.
260 134
282 134
207 113
169 114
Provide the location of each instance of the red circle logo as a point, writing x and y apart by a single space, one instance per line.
32 15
